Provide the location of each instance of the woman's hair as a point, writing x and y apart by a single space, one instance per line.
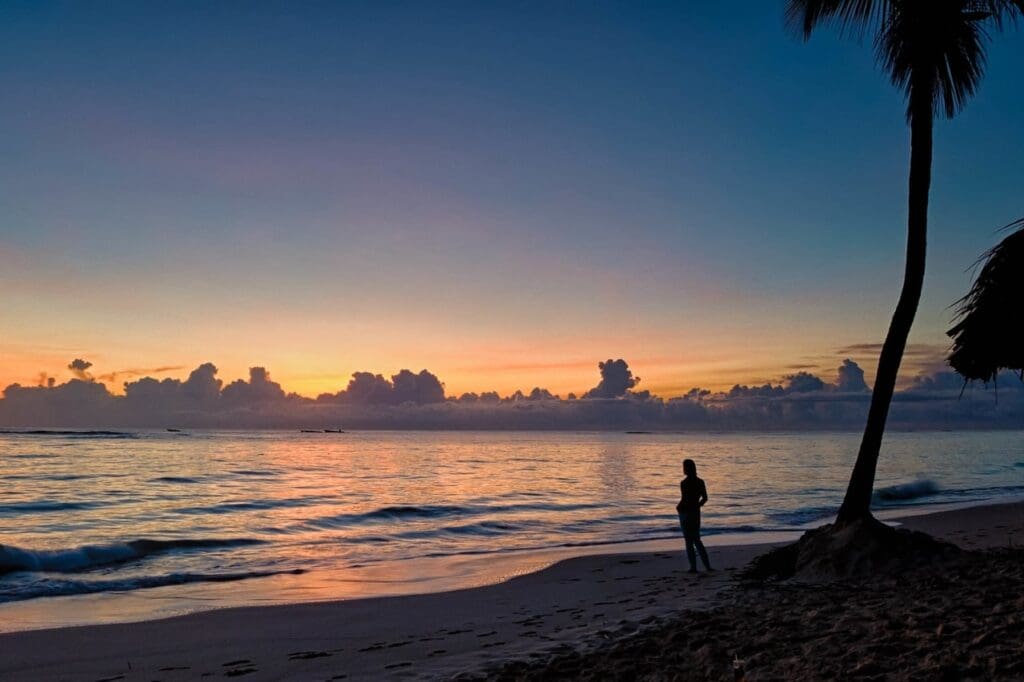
689 467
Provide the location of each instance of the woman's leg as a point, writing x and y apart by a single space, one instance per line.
687 538
700 545
703 554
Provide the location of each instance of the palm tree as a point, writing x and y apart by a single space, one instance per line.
933 50
988 336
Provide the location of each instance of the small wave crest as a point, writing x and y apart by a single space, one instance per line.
907 491
412 512
39 506
254 472
67 434
482 529
803 515
173 479
438 511
59 588
77 559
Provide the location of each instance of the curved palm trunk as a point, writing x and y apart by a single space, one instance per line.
857 503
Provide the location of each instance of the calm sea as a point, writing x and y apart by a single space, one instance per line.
150 523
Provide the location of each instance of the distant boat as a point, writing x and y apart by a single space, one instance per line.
334 431
174 430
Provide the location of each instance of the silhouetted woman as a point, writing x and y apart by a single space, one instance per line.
692 496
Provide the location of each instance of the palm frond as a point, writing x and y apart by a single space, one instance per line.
931 48
999 12
934 49
857 17
989 332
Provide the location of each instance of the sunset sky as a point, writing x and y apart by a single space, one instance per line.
501 195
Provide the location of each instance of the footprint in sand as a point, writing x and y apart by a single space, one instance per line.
303 655
376 646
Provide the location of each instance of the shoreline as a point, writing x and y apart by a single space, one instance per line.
438 634
410 577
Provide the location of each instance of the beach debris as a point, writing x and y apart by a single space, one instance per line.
738 675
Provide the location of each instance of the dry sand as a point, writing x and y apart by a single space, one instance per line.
619 616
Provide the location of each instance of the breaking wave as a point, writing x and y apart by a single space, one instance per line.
907 491
77 559
59 588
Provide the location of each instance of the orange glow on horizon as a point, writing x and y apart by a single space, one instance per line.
662 378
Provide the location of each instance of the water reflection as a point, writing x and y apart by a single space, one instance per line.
368 508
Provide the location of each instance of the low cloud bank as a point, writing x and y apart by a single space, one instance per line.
409 400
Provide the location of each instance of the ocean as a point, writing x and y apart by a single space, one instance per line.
104 526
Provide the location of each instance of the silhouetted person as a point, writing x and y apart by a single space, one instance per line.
692 496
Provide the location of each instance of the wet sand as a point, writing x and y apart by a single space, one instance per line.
603 616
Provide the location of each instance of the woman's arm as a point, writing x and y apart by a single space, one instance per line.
703 493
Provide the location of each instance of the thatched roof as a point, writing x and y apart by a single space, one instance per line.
989 332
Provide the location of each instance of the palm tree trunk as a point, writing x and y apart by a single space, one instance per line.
857 503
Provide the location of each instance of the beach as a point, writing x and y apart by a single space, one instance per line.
618 615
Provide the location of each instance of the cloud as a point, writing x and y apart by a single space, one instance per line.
803 382
913 350
616 380
259 390
112 377
366 388
851 378
79 368
407 400
420 389
541 394
918 358
149 397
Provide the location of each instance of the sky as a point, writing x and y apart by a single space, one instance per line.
501 193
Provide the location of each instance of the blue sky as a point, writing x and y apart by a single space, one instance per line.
501 192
